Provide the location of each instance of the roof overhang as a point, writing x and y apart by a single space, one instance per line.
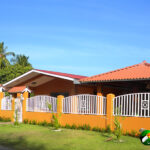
35 73
121 80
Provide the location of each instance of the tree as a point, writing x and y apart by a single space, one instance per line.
4 62
12 71
21 60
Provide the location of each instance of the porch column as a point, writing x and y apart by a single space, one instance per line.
59 107
1 97
25 97
109 112
13 108
59 103
99 91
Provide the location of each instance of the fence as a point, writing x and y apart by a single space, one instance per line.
40 104
136 104
6 103
84 104
84 109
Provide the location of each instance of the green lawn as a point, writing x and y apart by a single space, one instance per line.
34 137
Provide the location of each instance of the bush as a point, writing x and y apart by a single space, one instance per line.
133 133
73 126
25 121
34 122
86 127
117 130
44 123
30 122
3 119
67 126
108 130
96 129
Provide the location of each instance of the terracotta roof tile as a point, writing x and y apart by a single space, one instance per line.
17 89
135 72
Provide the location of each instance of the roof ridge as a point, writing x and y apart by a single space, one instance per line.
144 62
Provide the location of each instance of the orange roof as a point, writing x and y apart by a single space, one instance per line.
17 89
136 72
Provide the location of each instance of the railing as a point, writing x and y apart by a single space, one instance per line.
40 103
136 104
84 104
6 103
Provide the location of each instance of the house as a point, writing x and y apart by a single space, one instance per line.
131 79
91 100
42 82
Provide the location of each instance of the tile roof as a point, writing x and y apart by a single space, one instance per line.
135 72
62 74
17 89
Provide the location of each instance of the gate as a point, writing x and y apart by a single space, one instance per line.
40 103
18 109
135 104
84 104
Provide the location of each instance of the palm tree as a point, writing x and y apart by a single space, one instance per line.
21 60
4 62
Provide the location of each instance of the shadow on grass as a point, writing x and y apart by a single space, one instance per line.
21 143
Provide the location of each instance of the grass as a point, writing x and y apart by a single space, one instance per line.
34 137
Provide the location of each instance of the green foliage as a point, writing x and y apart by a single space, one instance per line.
34 122
118 129
97 129
32 94
133 133
73 126
3 119
67 126
4 62
12 71
7 94
55 118
25 121
86 127
21 60
108 130
16 118
44 123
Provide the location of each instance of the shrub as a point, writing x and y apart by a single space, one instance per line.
30 122
34 122
55 117
117 130
25 121
108 130
16 118
133 133
67 126
73 126
44 123
86 127
5 119
97 129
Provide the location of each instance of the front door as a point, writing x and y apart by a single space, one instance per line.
18 110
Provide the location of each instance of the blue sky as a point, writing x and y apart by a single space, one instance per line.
84 37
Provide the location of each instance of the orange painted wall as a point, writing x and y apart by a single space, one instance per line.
134 123
38 116
92 120
7 114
